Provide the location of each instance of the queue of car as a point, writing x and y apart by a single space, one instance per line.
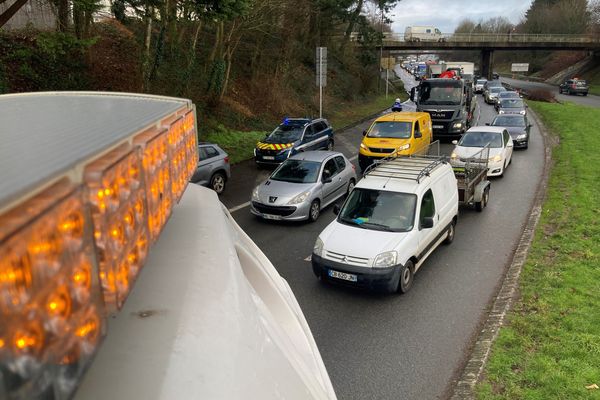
406 203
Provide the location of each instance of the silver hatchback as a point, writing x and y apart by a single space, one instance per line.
303 185
213 168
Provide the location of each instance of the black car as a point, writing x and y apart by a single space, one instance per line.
574 86
517 126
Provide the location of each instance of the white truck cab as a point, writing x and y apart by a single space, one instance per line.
118 280
395 217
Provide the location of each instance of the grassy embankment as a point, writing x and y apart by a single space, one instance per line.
240 145
593 78
550 346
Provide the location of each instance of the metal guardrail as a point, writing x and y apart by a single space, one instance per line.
500 37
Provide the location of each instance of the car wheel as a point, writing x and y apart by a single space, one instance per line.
330 145
350 186
480 205
217 182
314 211
584 94
451 232
405 279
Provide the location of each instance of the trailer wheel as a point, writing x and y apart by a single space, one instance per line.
480 205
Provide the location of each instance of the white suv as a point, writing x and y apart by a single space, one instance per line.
393 219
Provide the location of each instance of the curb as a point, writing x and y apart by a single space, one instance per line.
471 374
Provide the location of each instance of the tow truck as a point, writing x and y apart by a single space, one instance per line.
118 280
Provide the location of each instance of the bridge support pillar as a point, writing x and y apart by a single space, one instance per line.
487 63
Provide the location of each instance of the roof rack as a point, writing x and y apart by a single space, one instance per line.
413 167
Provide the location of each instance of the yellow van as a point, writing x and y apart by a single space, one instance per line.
402 133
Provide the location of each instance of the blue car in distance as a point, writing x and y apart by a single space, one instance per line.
292 136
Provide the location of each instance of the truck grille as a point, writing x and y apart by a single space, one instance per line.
441 114
346 259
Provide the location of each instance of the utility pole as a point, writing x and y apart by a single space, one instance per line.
380 47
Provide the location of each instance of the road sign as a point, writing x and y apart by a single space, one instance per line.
388 62
516 67
321 66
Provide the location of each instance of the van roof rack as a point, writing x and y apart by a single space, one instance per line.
413 167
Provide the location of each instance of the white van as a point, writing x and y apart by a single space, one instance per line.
423 33
395 217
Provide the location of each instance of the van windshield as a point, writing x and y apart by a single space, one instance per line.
379 210
390 129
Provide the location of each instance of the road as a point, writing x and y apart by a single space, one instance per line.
589 100
400 346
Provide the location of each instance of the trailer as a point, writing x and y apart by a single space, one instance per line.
471 179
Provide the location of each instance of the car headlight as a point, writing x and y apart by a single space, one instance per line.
457 125
385 260
454 156
403 147
496 158
522 136
254 152
363 146
501 112
318 247
255 194
522 112
299 198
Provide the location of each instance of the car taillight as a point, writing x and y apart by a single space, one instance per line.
226 159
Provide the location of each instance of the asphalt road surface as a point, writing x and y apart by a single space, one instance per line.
589 100
400 346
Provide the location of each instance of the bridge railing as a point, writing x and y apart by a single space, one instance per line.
501 37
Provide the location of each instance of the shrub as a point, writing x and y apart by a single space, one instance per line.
541 95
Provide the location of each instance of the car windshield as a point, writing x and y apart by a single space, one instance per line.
509 120
481 81
497 89
480 139
286 133
448 93
509 95
379 210
390 129
511 103
297 171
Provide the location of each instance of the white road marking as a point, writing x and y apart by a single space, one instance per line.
309 258
233 209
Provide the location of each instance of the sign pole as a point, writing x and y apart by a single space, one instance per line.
387 72
321 82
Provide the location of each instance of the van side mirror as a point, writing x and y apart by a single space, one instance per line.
365 133
336 209
427 223
418 134
529 126
487 123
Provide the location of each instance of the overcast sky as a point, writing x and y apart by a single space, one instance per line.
447 14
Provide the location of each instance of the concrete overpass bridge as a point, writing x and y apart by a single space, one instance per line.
487 43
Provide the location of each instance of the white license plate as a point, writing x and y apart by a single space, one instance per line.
342 275
269 216
268 158
438 126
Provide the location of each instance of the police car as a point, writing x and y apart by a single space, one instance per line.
292 136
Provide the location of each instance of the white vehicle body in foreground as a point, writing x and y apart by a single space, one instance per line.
209 318
349 253
117 281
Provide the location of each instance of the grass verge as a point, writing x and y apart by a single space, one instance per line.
240 145
595 89
550 346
